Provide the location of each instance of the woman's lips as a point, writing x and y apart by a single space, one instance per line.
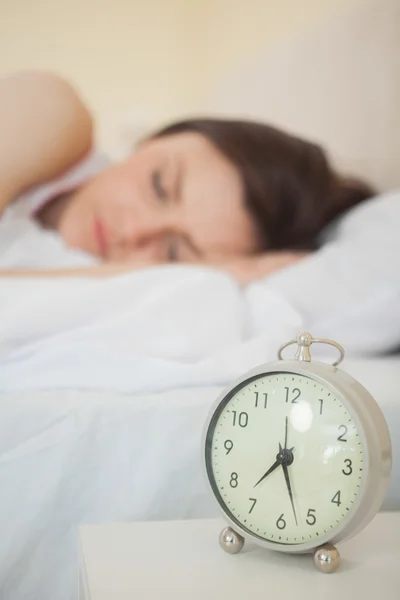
101 238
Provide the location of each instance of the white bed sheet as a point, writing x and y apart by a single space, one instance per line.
83 457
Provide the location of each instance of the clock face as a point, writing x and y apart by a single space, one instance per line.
285 459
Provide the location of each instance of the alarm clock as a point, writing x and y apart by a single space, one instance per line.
297 455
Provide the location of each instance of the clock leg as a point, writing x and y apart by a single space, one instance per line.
230 541
326 558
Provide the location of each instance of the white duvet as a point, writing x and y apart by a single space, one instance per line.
151 331
161 328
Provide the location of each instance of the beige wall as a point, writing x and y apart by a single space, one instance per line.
120 53
235 30
155 59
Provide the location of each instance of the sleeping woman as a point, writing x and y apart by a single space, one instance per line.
240 196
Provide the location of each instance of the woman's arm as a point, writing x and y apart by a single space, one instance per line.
96 272
45 128
247 269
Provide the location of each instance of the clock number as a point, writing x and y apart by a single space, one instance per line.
349 469
281 523
296 394
336 499
254 502
341 436
243 419
311 520
228 445
265 399
234 480
322 404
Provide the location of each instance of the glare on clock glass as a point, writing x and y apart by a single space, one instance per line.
285 458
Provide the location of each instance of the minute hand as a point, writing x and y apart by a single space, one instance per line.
289 488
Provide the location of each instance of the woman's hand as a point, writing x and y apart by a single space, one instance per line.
250 268
101 271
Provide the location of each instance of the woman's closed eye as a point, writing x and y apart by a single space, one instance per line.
158 186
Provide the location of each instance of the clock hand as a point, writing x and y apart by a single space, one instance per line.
286 428
283 456
270 470
289 488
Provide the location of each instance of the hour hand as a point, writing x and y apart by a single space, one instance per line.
270 470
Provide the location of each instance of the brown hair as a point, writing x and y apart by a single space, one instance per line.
289 185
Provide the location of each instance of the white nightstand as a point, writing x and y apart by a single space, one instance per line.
182 559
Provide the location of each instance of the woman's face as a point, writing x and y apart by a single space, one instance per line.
176 199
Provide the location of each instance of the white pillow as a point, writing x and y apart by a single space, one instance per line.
349 289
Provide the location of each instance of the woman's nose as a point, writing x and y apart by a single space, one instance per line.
150 225
149 236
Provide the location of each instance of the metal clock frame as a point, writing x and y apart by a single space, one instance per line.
374 435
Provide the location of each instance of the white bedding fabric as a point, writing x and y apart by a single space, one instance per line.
81 457
170 327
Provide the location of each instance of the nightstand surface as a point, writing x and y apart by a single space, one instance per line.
182 559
